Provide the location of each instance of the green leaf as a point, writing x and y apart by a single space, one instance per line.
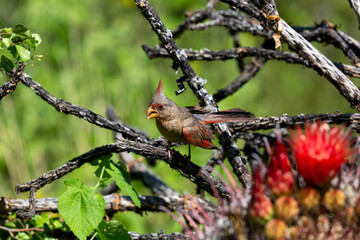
17 38
112 230
102 162
37 38
81 208
6 64
34 40
41 220
7 42
6 30
14 52
23 236
119 173
23 53
20 28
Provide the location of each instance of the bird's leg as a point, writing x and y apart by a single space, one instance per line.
189 155
188 158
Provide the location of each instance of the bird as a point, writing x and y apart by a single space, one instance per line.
188 124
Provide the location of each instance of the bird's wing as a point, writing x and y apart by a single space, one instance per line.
230 115
197 110
198 135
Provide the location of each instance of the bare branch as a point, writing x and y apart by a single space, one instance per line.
72 109
159 236
235 53
323 32
250 70
355 4
326 32
176 161
11 231
7 88
285 121
230 19
302 46
113 203
30 212
11 85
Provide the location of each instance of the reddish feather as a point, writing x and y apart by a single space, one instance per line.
207 144
198 136
159 89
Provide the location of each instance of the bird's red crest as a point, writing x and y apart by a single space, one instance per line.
159 89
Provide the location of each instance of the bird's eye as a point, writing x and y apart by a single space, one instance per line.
161 107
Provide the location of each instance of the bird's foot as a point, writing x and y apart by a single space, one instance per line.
188 157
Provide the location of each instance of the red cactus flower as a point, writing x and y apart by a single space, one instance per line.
260 208
320 151
280 179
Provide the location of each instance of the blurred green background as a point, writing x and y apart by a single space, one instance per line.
92 58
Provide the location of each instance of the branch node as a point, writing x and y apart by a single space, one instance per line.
27 214
180 83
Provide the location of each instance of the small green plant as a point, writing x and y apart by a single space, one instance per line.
108 171
83 209
16 45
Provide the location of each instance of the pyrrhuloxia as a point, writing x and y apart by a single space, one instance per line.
188 124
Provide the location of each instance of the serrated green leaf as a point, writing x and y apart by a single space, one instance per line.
73 182
113 230
7 42
20 28
119 173
6 64
24 54
81 208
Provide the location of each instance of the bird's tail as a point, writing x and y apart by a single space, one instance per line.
231 115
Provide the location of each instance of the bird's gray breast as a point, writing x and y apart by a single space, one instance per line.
171 130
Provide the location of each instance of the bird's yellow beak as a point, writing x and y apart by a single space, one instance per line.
151 113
